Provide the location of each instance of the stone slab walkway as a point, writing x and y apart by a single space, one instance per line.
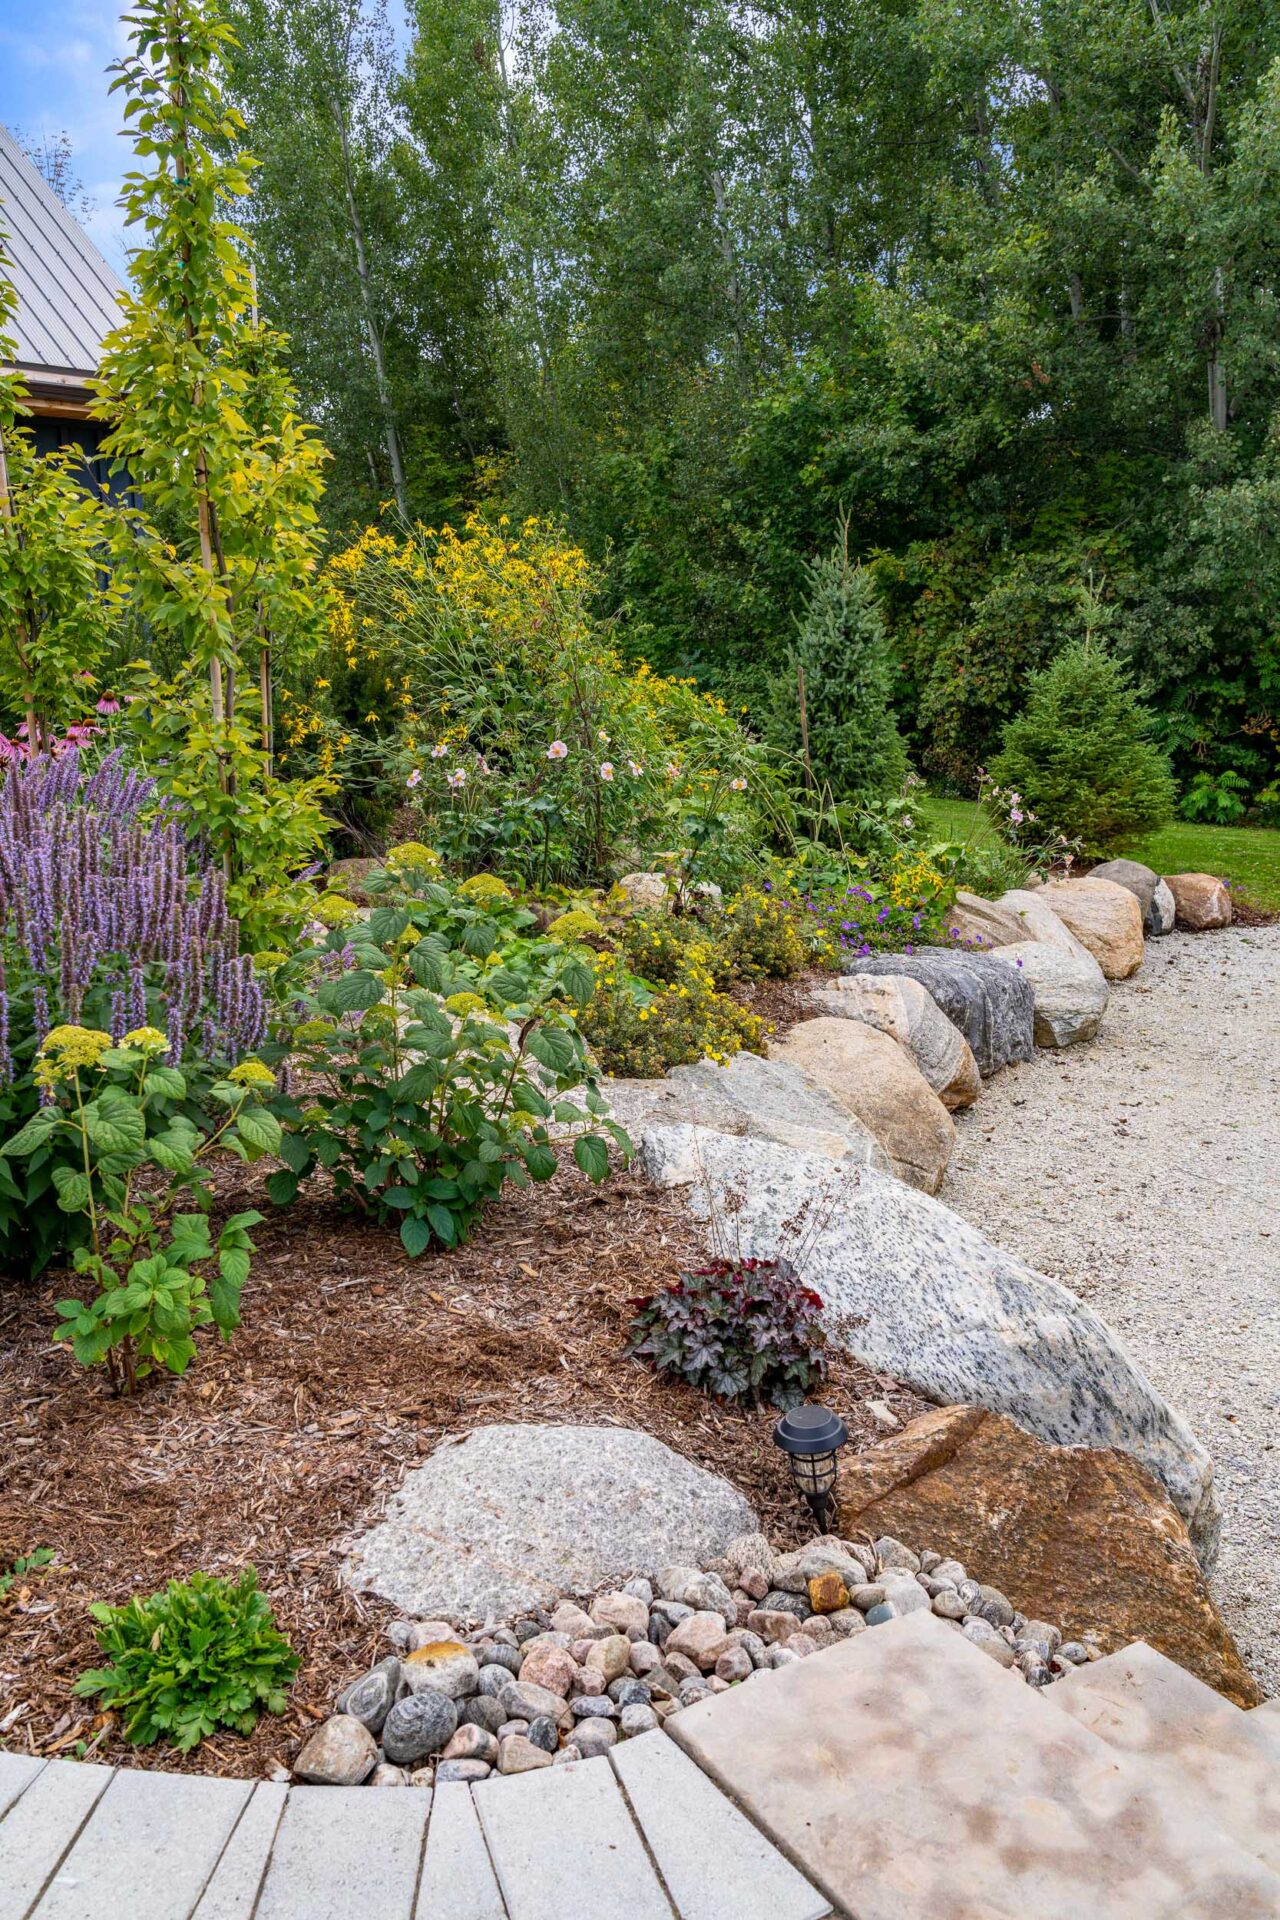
1141 1170
642 1834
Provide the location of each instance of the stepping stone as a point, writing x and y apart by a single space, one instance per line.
148 1848
1226 1759
41 1822
343 1851
565 1847
233 1886
716 1865
908 1776
458 1880
17 1771
514 1516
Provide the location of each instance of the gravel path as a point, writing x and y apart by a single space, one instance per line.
1143 1171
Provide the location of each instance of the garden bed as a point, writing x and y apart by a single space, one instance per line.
351 1364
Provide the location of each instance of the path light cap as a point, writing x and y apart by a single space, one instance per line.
810 1436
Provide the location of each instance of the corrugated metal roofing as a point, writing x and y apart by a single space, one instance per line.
67 294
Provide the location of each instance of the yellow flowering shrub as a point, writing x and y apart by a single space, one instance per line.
497 708
640 1036
671 947
762 936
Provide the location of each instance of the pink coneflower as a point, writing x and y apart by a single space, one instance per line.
415 778
108 705
439 750
606 769
634 769
739 785
458 778
557 750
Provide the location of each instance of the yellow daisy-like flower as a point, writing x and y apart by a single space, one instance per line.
252 1073
149 1039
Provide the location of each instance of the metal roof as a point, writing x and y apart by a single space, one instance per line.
67 294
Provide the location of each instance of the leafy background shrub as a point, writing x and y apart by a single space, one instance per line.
202 1654
739 1329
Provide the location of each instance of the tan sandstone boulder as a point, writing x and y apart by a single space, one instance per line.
1083 1538
877 1081
975 922
909 1014
1201 900
1105 918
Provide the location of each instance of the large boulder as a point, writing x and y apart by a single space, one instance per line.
1136 879
918 1293
993 1008
1105 918
1071 992
512 1517
909 1014
1163 912
1039 922
878 1082
976 922
1201 900
1081 1537
765 1099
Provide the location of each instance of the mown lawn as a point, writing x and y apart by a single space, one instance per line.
1247 856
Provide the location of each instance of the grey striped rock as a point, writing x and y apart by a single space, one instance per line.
762 1099
1070 991
1162 913
909 1014
918 1293
994 1009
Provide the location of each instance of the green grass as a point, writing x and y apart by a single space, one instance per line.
1247 856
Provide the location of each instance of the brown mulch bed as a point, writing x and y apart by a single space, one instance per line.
351 1364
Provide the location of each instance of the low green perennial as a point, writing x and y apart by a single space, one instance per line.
201 1655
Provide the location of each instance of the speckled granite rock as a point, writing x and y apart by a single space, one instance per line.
512 1515
923 1296
993 1008
1107 918
1071 992
1138 880
1163 912
1081 1536
1201 899
909 1014
766 1099
875 1079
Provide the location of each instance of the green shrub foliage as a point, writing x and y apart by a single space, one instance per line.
1080 756
855 751
740 1329
201 1655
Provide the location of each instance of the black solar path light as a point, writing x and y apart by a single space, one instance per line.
811 1436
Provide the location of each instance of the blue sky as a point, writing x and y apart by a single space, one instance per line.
53 78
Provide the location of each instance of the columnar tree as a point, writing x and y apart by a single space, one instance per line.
221 555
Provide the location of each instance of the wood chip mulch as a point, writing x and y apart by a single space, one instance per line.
277 1447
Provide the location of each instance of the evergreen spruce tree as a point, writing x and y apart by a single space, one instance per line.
1080 755
841 658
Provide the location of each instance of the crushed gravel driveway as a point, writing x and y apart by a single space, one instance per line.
1143 1171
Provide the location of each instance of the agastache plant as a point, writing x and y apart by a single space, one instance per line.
107 915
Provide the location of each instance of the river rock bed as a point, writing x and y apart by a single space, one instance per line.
564 1684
